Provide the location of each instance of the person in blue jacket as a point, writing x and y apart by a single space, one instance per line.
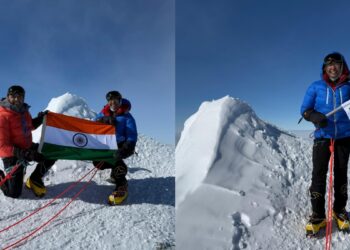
322 97
116 112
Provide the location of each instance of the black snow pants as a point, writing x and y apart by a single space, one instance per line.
13 186
320 158
119 171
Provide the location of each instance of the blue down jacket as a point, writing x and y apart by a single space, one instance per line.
321 97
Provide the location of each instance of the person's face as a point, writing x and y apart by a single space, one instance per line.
114 104
333 70
16 99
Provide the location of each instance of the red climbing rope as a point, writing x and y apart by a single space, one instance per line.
50 202
330 198
54 216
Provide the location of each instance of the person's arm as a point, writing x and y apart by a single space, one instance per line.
37 121
309 100
128 146
307 109
6 147
98 116
131 129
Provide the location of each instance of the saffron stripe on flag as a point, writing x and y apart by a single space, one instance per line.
68 138
77 124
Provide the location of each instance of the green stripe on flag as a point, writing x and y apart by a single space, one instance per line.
52 151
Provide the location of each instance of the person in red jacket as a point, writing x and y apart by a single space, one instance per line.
16 146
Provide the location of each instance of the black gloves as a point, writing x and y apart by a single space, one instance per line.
317 118
37 121
107 120
41 114
30 154
125 150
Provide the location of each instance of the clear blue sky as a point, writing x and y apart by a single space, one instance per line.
264 52
88 47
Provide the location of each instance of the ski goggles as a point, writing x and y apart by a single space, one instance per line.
333 59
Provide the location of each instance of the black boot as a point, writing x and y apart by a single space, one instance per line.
121 190
315 223
35 182
342 219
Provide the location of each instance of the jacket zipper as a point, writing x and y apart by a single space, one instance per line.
341 96
334 119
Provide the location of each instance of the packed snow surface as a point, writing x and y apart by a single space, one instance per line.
242 183
145 221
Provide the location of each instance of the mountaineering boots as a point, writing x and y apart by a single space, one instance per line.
315 223
342 220
37 186
119 195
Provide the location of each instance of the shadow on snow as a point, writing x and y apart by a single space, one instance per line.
156 191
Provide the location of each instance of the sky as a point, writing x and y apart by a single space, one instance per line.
265 53
88 48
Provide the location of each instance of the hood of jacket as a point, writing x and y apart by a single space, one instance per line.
6 104
344 76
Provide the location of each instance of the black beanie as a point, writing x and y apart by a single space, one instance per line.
16 89
113 94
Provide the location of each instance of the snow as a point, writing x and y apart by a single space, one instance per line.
242 183
145 221
70 104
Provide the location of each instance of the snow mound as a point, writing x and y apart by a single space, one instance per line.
241 183
67 104
203 133
70 104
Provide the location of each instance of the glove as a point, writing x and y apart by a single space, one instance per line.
317 118
41 114
107 120
28 154
37 121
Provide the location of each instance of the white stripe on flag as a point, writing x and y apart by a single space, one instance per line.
68 138
346 107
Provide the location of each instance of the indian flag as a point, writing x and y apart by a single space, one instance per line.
67 137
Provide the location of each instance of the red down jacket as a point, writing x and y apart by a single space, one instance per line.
15 128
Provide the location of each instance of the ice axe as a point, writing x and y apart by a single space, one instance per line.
345 106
